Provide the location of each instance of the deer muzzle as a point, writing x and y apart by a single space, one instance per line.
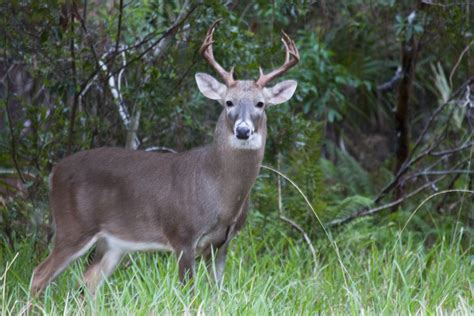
243 129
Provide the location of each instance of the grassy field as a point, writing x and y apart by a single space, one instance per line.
377 271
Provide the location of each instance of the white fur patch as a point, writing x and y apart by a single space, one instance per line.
247 124
128 246
254 142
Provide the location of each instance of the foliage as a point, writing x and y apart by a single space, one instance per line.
336 139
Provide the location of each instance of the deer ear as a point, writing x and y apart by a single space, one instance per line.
281 92
210 87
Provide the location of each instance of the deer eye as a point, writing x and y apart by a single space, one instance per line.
259 104
229 103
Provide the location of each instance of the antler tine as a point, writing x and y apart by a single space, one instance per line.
208 54
292 57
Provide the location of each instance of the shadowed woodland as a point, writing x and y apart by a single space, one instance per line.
372 158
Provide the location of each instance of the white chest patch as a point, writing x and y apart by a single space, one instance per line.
253 143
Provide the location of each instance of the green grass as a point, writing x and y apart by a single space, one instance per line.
271 272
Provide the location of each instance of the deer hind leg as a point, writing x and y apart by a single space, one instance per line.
106 260
63 254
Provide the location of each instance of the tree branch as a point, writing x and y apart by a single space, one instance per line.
392 83
452 151
455 67
410 161
367 212
169 32
301 230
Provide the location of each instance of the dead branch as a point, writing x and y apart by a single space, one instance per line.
301 230
286 219
392 83
447 5
449 187
452 151
455 67
438 172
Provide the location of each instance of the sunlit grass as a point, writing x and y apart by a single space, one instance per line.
267 273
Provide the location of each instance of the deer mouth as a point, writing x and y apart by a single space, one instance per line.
252 142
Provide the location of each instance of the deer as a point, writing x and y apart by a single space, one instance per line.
190 203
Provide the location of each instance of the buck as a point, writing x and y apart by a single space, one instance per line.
191 203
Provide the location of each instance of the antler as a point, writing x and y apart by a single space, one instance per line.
207 53
292 58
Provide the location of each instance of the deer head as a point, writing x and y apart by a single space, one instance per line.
245 101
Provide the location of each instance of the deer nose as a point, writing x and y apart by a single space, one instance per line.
243 132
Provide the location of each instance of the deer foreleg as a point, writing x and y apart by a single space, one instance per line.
186 264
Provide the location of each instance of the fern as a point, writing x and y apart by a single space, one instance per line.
350 204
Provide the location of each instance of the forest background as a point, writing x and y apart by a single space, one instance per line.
365 200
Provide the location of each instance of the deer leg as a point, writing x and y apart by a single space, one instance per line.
106 260
186 264
61 256
220 263
218 255
216 262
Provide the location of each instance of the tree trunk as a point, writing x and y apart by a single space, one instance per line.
132 139
409 53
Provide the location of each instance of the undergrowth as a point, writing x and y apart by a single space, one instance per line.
270 270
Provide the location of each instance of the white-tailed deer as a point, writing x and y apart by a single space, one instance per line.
191 203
